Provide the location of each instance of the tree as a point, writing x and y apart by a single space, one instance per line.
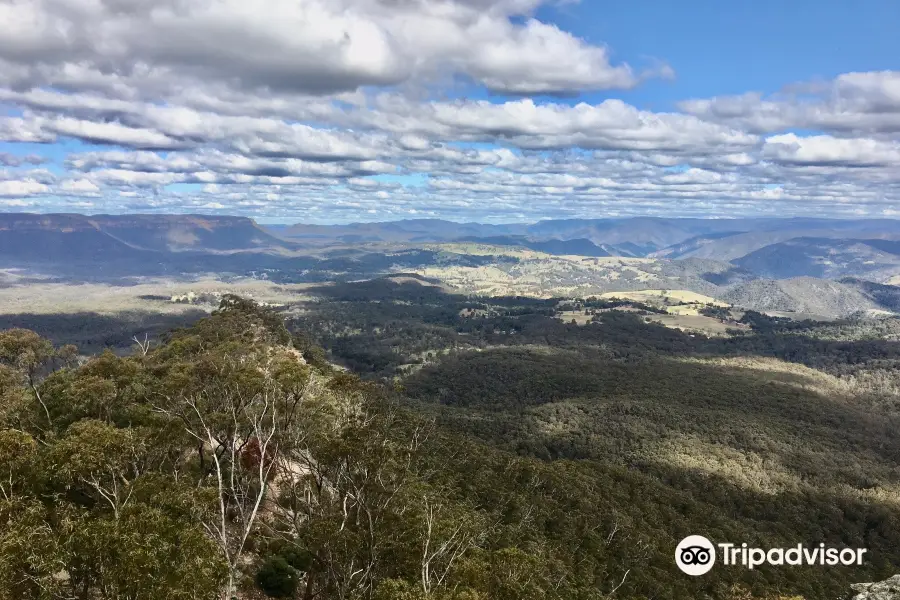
240 406
448 532
33 356
145 553
277 578
345 490
30 555
104 461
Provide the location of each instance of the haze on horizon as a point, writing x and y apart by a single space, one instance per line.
494 111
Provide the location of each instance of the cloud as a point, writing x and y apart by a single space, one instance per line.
854 104
16 203
107 133
527 60
17 129
611 125
149 168
472 109
309 46
14 160
823 150
79 187
391 124
25 187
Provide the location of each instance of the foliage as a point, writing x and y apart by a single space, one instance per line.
523 458
277 578
95 332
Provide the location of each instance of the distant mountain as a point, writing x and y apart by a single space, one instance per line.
813 297
101 247
655 237
650 232
578 247
637 236
756 235
884 245
825 258
61 236
629 249
886 297
175 233
110 248
692 246
412 230
26 244
153 244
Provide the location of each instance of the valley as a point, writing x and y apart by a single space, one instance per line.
584 412
832 277
449 300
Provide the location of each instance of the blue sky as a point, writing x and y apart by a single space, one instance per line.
719 48
492 110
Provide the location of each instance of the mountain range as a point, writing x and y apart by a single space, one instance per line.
61 235
769 247
804 265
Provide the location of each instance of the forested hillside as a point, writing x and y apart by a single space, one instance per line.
522 458
223 463
227 462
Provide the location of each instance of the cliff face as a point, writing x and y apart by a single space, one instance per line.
31 222
157 233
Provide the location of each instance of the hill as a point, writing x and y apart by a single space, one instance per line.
751 235
474 258
545 275
766 426
578 247
576 453
808 296
636 236
886 296
410 230
62 236
768 247
651 232
825 258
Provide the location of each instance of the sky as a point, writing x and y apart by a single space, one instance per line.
334 111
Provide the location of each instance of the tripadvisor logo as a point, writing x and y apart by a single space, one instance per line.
696 555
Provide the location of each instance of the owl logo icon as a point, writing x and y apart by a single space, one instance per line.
695 555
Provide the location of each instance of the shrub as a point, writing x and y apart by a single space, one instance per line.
277 578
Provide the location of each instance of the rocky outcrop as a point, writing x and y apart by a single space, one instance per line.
69 233
889 589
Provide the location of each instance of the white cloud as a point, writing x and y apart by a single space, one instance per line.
851 104
612 124
26 187
79 187
12 160
107 133
827 150
17 129
318 46
294 110
17 203
527 60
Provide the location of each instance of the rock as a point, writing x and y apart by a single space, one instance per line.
889 589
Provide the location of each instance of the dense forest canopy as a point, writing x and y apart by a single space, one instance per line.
489 451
